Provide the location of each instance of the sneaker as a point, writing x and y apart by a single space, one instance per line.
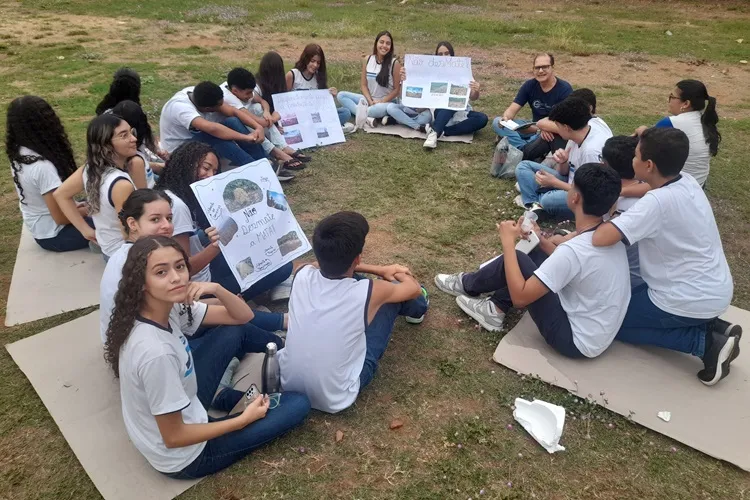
727 329
431 141
450 283
518 188
519 202
385 120
282 291
348 128
416 321
372 123
483 311
284 175
717 357
537 209
226 378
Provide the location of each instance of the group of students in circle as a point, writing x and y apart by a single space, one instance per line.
174 322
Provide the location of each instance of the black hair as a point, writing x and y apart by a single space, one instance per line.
448 46
618 153
384 75
207 95
100 155
311 50
131 112
696 92
181 170
668 148
240 78
125 86
587 95
599 186
573 112
134 205
32 123
542 54
271 77
338 240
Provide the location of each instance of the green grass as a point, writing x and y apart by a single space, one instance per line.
434 211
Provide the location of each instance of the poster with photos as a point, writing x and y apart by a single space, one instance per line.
438 82
309 118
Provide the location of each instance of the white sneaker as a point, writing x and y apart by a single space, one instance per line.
518 201
371 122
518 188
282 291
384 120
450 283
483 311
431 141
348 128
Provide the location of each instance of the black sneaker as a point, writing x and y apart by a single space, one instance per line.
716 358
727 329
284 175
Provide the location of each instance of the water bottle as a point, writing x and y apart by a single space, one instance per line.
529 218
271 373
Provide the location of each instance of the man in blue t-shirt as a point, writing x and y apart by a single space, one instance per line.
541 93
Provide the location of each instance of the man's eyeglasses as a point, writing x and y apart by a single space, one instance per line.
544 68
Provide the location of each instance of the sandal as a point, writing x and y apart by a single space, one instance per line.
293 164
301 157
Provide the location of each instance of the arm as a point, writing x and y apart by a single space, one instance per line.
120 192
289 80
137 171
232 311
635 190
385 292
218 130
64 198
522 291
547 125
474 90
606 235
54 209
245 116
511 112
363 83
396 84
385 272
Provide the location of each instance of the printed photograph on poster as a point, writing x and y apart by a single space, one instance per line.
434 81
438 88
257 230
321 132
316 121
457 103
292 137
289 120
462 90
315 117
415 92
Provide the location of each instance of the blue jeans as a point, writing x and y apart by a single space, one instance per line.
221 452
473 122
237 152
344 115
221 274
554 201
67 240
378 332
516 139
646 324
408 116
349 100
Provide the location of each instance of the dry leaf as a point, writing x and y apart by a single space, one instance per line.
396 424
339 436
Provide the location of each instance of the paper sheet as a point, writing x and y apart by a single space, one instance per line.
436 82
309 118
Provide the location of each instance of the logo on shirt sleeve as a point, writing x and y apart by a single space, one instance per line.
189 363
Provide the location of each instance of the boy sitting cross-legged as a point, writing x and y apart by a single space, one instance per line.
340 323
576 293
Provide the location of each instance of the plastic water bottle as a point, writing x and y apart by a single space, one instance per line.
271 372
529 218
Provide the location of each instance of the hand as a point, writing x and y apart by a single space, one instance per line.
254 411
213 236
534 229
509 231
371 101
334 91
474 86
547 136
280 128
83 208
545 179
389 272
402 74
640 130
90 234
258 135
560 156
197 289
268 117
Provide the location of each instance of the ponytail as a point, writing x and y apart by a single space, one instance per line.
695 92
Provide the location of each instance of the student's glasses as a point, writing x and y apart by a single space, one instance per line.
544 68
672 96
125 135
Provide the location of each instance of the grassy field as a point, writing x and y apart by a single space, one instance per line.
434 211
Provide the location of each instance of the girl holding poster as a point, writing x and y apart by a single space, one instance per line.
380 84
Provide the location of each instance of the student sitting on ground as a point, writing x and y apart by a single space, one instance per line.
543 189
139 166
125 86
575 292
309 73
109 144
40 160
239 92
163 380
541 93
687 280
340 323
379 81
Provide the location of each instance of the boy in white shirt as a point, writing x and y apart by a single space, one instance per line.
575 293
340 323
543 189
688 283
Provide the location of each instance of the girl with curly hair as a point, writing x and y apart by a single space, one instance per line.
109 143
125 86
164 381
191 162
40 160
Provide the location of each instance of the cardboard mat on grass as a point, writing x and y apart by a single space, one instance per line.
48 283
408 133
66 367
646 381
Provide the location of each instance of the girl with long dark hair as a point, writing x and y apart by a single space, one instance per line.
140 168
125 86
164 382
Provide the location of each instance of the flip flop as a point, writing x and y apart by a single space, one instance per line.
301 157
294 164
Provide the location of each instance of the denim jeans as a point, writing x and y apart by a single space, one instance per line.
646 324
378 332
349 100
547 312
554 201
473 122
237 152
221 274
221 452
344 115
214 348
409 116
67 240
516 139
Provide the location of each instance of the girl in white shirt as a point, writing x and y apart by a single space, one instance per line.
156 307
140 168
41 159
109 144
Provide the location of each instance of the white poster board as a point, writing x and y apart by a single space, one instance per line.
436 82
309 118
258 232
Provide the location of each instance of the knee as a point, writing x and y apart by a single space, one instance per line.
391 107
296 403
524 168
234 123
481 120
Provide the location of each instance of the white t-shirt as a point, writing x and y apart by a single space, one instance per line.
698 161
593 284
157 377
109 285
232 99
184 224
590 150
302 83
325 343
679 249
176 116
150 179
108 226
37 179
